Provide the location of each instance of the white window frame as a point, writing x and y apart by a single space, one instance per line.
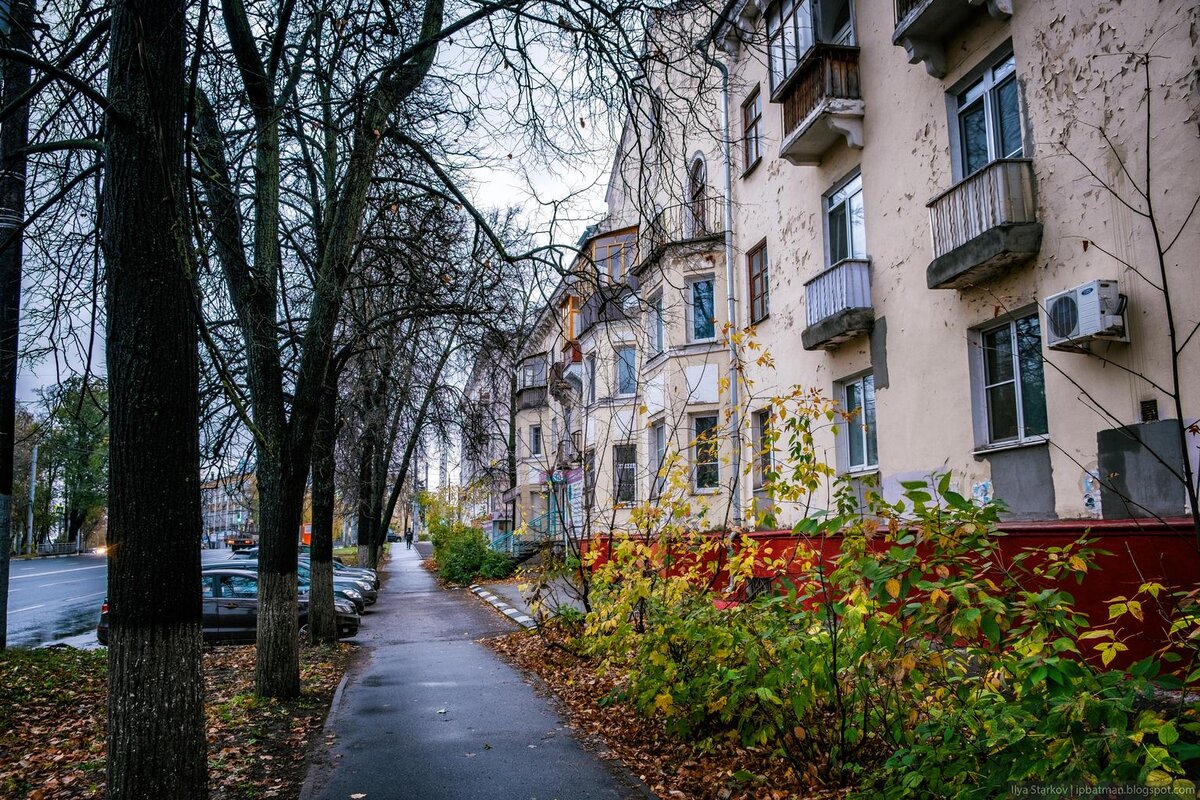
764 457
993 73
658 451
695 448
846 463
589 374
657 326
617 467
980 406
618 361
851 186
533 372
536 444
689 301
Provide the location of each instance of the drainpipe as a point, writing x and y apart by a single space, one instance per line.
735 422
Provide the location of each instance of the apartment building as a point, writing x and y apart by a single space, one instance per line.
955 218
228 505
485 466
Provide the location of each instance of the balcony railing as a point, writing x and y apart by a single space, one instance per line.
682 222
838 304
531 397
824 85
984 223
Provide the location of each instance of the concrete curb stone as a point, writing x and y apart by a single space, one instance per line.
516 615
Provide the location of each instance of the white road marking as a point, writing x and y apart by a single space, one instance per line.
56 572
27 608
84 597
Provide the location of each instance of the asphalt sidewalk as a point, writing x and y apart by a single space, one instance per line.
429 713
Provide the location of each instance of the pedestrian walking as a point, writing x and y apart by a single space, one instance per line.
408 539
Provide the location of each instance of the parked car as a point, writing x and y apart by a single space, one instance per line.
363 585
240 541
252 553
347 591
341 570
230 609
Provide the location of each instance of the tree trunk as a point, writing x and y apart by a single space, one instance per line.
366 483
277 663
156 744
13 137
322 627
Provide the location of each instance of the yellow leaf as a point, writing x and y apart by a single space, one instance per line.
664 703
893 587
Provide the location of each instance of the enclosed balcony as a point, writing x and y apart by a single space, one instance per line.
531 398
838 305
822 102
984 226
924 26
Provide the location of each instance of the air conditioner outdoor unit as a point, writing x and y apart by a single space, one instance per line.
1095 310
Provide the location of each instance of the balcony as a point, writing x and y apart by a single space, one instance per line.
984 226
923 26
838 305
530 398
699 225
822 101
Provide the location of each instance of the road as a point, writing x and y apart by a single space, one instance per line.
57 600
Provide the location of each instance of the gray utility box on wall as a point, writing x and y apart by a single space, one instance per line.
1139 469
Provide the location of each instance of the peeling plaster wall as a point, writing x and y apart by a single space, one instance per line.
1071 75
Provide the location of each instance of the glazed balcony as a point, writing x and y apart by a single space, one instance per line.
984 226
822 102
838 305
924 26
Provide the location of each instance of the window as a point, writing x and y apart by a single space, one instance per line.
613 254
759 292
625 473
793 27
698 198
535 440
238 586
589 371
701 321
570 317
657 332
706 450
859 402
589 480
764 454
533 373
752 128
988 118
1014 390
626 370
658 450
845 222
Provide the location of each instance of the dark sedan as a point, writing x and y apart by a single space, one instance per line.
230 609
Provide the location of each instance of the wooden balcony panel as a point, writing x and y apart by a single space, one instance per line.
822 101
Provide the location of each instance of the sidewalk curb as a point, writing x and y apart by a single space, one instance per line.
311 777
519 617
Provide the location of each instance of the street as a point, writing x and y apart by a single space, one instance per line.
57 600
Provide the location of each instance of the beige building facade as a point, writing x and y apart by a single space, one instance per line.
956 219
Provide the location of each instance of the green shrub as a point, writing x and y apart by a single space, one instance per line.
462 554
496 565
917 663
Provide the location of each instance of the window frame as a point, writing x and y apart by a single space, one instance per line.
618 466
589 374
713 441
981 406
989 82
752 145
763 295
764 453
869 431
657 326
828 207
698 197
533 372
619 361
623 243
690 301
658 450
535 437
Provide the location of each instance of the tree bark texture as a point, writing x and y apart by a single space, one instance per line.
14 135
322 627
156 732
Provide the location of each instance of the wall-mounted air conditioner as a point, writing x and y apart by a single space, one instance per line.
1095 310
